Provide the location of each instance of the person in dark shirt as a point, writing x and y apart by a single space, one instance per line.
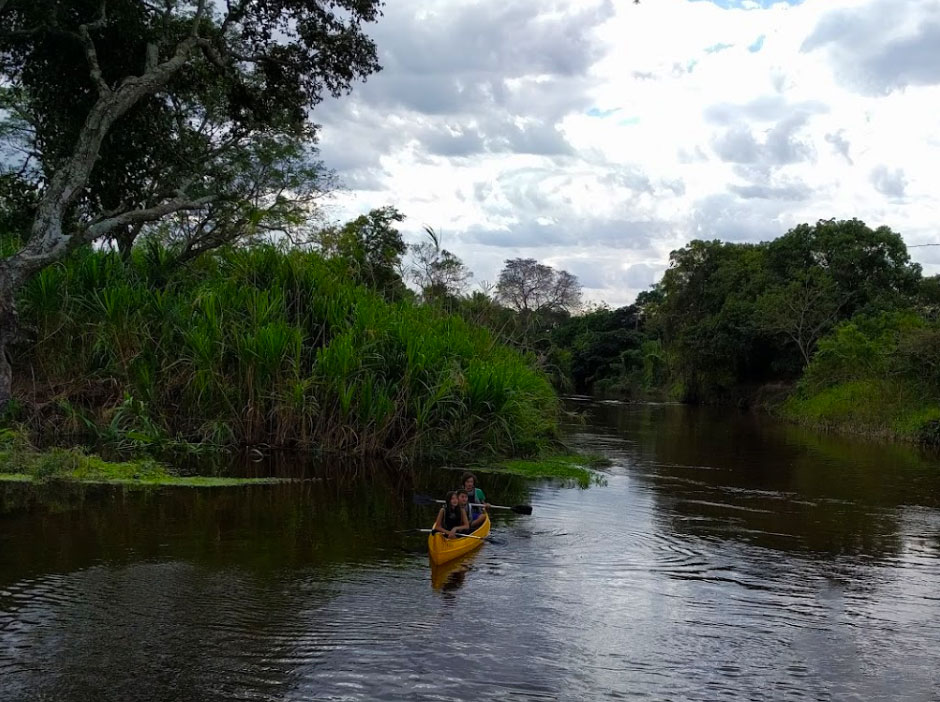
451 517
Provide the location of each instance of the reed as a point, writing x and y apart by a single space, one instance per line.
266 346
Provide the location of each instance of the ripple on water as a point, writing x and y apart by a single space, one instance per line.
685 577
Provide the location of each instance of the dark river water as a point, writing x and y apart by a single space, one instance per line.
722 556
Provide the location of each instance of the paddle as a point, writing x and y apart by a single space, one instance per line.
464 536
488 539
518 509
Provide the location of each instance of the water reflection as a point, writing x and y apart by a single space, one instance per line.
450 576
726 557
765 483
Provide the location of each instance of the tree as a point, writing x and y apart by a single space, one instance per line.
599 343
803 310
707 314
273 190
869 266
528 286
134 111
928 297
439 274
370 249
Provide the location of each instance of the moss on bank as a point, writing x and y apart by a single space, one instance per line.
20 462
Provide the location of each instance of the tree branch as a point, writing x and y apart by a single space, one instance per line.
180 202
84 34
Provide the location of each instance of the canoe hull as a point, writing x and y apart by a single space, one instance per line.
443 550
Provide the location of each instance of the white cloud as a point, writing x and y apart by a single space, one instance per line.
599 135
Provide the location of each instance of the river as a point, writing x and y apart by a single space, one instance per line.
721 556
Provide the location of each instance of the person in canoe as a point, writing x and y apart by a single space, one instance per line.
451 518
475 496
463 499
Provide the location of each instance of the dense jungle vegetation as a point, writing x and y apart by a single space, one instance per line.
166 277
259 345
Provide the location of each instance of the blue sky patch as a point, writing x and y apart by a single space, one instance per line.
597 112
715 48
740 4
757 45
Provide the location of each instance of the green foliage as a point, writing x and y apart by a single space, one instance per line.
25 464
369 251
240 98
603 346
709 318
875 374
863 347
739 314
259 345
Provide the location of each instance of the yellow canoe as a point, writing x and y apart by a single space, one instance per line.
443 550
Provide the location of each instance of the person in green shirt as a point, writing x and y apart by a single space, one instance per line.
476 496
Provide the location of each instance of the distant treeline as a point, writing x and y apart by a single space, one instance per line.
831 324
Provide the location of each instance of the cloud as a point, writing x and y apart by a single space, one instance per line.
887 182
641 275
602 135
882 46
766 108
729 218
840 144
797 191
781 145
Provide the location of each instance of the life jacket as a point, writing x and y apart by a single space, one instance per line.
452 517
477 498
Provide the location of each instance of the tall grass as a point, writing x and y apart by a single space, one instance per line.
262 346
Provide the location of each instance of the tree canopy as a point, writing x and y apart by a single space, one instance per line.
125 112
526 285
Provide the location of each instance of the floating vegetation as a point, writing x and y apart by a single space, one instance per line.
572 466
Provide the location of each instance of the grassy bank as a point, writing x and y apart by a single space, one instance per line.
882 408
21 462
261 346
876 375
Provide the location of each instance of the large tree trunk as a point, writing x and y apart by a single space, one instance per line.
8 331
48 241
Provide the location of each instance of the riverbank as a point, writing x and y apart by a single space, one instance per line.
20 462
259 346
24 463
885 409
892 409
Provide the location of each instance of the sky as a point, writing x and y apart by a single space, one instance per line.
599 135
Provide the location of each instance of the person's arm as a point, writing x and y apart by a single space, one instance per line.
439 522
466 517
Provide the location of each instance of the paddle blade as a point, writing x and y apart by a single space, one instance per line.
522 509
423 500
